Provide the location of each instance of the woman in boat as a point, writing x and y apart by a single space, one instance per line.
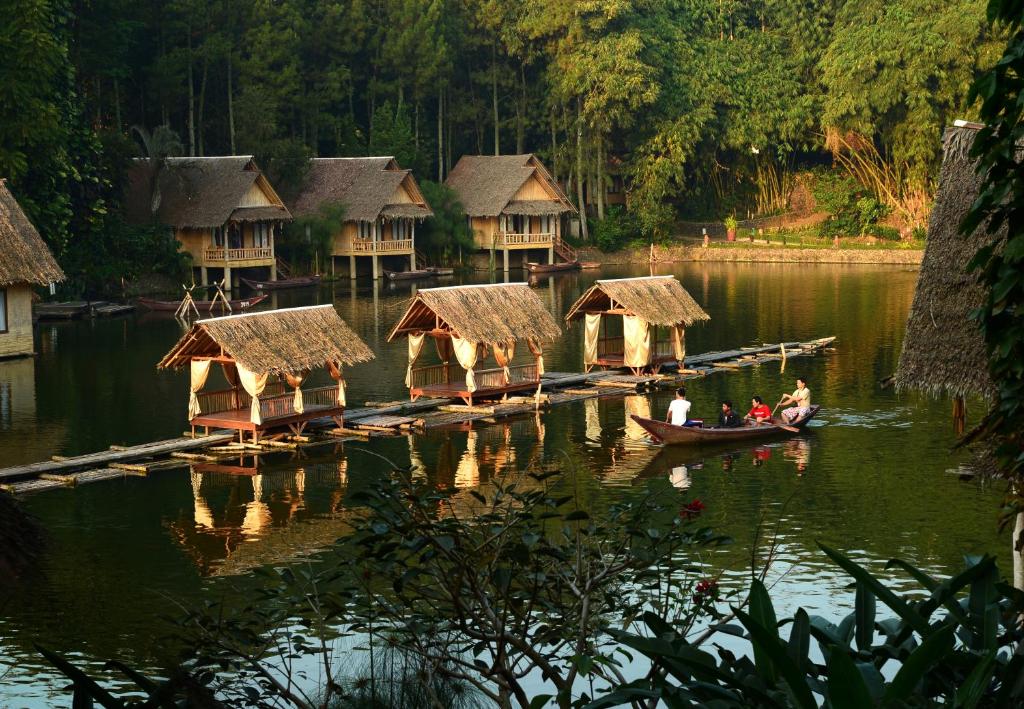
801 398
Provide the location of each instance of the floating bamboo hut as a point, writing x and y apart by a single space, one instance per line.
25 261
262 356
513 204
943 350
382 204
654 313
468 324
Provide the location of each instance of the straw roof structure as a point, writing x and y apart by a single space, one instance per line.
26 259
660 300
487 313
199 192
278 342
943 350
486 185
364 186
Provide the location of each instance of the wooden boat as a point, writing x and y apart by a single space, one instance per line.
169 306
587 265
298 282
664 432
441 271
410 275
553 267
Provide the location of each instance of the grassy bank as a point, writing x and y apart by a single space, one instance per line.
852 253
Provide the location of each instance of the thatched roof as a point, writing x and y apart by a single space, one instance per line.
279 341
534 207
486 184
487 313
24 257
198 192
364 186
943 351
660 300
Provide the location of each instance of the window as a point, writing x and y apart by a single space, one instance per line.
261 235
218 236
3 310
365 230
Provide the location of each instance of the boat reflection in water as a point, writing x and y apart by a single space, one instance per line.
677 464
250 513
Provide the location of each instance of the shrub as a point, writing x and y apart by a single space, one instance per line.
447 232
616 230
854 209
885 232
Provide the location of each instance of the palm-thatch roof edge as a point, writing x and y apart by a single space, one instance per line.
25 256
660 300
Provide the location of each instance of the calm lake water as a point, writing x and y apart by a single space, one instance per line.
874 476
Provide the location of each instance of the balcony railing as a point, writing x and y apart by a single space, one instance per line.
249 254
276 401
385 246
511 239
485 378
615 346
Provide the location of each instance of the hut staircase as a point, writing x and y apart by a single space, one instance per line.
564 251
284 269
421 259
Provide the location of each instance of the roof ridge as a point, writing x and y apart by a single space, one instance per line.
631 278
474 285
264 312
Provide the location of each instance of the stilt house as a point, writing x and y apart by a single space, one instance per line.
469 324
264 358
648 318
223 211
25 261
382 205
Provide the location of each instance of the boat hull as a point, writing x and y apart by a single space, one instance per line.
409 275
203 306
553 267
301 282
666 433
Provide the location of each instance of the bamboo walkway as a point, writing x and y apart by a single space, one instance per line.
384 419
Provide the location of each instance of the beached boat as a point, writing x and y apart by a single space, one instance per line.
203 306
553 267
297 282
664 432
590 265
410 275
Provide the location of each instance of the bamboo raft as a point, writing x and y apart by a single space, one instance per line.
372 421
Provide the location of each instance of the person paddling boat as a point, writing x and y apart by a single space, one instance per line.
801 400
759 411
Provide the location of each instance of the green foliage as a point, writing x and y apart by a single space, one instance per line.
730 222
950 643
447 233
391 134
1000 265
618 229
854 210
311 237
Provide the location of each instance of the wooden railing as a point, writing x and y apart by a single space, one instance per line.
485 378
283 405
663 348
210 402
366 246
616 346
566 252
248 254
510 239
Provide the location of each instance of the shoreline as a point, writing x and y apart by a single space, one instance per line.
754 254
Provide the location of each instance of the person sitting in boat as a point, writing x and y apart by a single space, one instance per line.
728 418
801 398
759 411
679 409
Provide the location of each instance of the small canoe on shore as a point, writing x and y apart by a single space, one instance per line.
664 432
553 267
203 306
587 265
298 282
410 275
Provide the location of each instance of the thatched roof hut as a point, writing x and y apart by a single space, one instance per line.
25 257
660 300
943 350
200 193
368 189
485 313
487 186
645 304
281 342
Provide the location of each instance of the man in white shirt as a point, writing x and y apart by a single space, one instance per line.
679 409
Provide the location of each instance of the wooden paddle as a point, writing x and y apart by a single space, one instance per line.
784 427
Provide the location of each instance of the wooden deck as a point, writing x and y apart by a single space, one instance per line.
239 419
559 388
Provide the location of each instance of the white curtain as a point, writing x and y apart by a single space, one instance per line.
503 354
466 354
334 369
678 335
200 370
295 381
415 347
591 333
636 336
538 353
254 384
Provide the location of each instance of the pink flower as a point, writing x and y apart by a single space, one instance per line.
691 510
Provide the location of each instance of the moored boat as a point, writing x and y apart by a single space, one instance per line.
664 432
553 267
203 306
410 275
297 282
589 265
441 271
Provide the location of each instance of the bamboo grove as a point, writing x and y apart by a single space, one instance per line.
706 107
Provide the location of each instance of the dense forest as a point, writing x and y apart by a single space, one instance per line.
706 107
